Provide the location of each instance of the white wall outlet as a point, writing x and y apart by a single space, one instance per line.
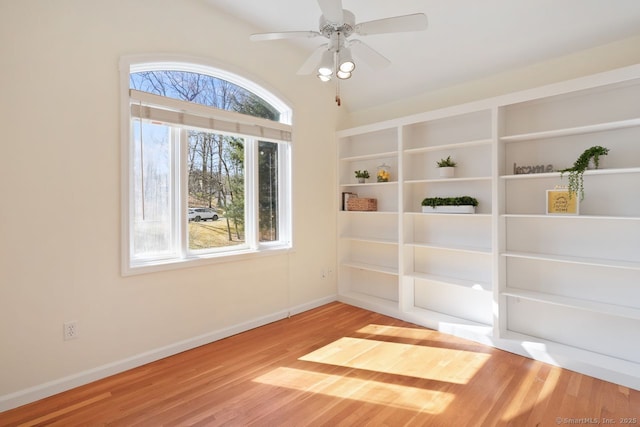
70 330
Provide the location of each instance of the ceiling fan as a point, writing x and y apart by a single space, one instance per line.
336 57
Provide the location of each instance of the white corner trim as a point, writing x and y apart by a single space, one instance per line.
32 394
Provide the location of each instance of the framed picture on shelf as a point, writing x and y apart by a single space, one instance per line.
560 202
345 198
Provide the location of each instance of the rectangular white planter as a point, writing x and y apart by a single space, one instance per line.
465 209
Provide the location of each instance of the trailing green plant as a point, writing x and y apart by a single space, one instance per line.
446 163
362 174
576 172
450 201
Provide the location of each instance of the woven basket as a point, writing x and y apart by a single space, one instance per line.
362 204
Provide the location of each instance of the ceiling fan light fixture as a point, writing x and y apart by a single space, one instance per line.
346 61
324 78
326 64
347 67
343 75
325 71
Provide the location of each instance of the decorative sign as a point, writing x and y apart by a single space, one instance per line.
521 170
559 202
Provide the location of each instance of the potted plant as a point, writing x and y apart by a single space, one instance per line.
461 204
362 175
576 172
447 167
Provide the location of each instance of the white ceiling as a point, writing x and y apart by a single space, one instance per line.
465 40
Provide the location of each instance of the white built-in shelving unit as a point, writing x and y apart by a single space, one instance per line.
369 240
560 288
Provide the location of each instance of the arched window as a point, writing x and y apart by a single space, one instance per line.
208 166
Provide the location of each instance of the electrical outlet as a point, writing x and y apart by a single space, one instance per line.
70 330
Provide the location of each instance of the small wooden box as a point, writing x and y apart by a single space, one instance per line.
362 204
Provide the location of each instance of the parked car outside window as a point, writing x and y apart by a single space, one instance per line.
202 214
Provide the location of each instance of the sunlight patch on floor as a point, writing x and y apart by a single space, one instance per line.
418 361
399 332
540 384
394 395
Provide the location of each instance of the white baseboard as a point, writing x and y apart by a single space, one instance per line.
32 394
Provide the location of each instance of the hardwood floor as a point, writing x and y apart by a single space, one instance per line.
339 365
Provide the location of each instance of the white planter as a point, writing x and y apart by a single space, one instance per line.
447 172
465 209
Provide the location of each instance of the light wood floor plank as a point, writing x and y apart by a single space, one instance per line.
337 365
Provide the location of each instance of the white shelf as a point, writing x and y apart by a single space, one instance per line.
368 184
629 265
573 217
580 304
450 324
576 359
599 127
371 156
371 267
454 281
370 212
457 248
370 240
586 173
435 180
449 215
465 144
370 302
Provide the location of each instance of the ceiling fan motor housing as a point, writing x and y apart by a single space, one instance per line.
345 28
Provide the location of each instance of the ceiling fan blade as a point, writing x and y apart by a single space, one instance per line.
396 24
311 64
368 55
283 35
332 11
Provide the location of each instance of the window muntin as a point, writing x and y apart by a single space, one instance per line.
243 210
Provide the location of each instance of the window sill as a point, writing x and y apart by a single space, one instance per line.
152 266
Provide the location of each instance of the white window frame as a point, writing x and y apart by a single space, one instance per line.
252 247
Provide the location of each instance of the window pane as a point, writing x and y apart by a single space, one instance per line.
215 165
203 89
268 191
152 190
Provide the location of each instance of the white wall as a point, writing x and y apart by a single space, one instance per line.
60 193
